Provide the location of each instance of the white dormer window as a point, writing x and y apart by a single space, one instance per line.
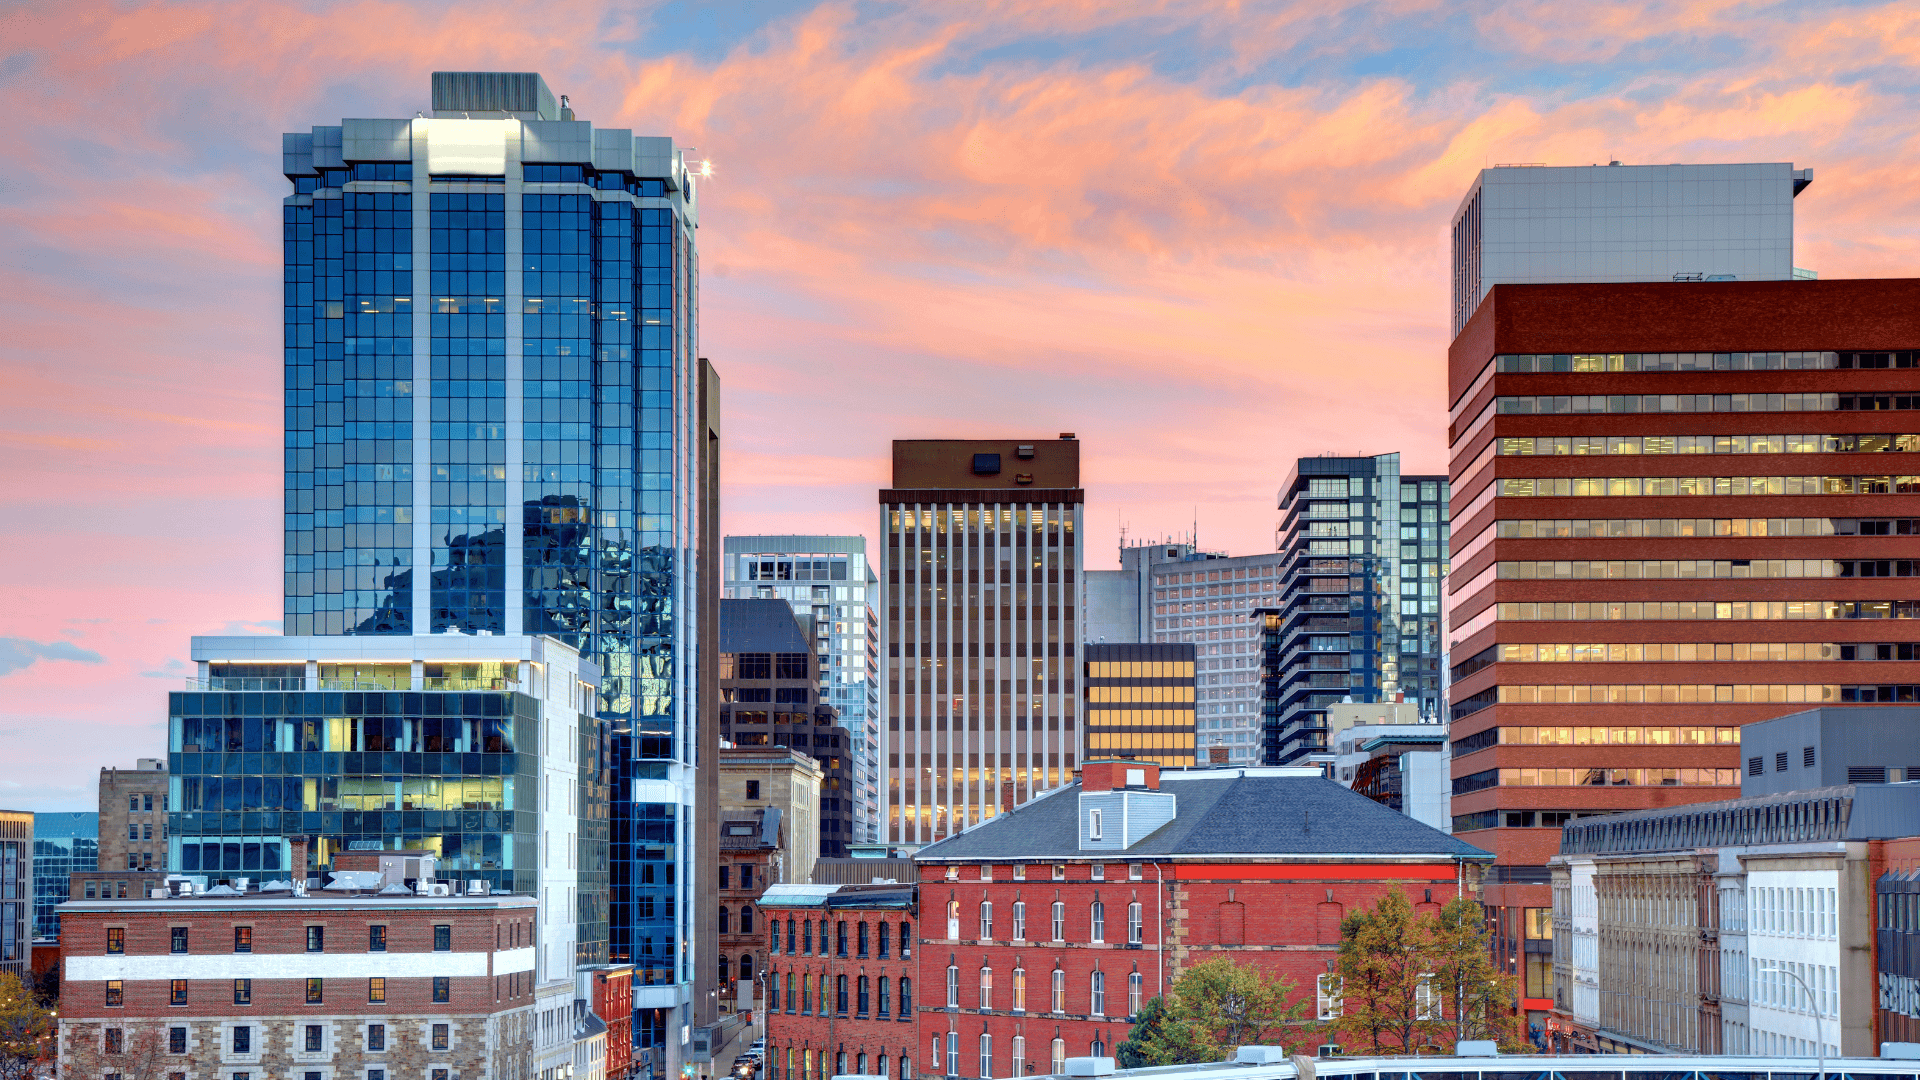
986 872
1099 869
1093 825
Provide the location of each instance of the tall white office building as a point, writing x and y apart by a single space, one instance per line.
833 590
1531 224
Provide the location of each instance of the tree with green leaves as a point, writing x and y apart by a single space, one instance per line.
1133 1054
1380 996
1479 996
1408 981
26 1030
1217 1007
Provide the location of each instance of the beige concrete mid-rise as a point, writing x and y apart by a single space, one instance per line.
756 778
984 598
133 816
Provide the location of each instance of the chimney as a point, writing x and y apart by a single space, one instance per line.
298 860
1110 773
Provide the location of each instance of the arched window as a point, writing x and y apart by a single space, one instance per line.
840 994
724 921
1059 991
806 994
1098 1047
906 953
880 1066
986 1056
986 920
862 1003
791 940
839 938
906 1007
746 920
863 946
861 1064
746 966
1058 1057
807 948
953 986
1019 990
1135 985
773 935
789 990
986 987
840 1063
1059 920
885 1009
1019 1056
953 1053
1097 988
953 920
1098 917
726 972
1133 923
1019 920
884 935
936 1052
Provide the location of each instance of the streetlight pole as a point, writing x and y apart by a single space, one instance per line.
1813 1006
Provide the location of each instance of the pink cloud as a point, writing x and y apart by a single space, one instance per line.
1207 251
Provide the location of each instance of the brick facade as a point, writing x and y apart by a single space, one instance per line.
610 996
133 817
808 1027
228 988
1045 931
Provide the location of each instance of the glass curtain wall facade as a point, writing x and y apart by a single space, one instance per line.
1365 552
983 596
63 843
829 583
491 350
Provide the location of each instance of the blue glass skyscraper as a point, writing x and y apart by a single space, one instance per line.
495 425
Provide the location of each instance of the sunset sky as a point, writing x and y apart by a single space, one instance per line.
1208 238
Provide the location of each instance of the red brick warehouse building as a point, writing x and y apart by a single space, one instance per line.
331 986
1678 508
840 980
1048 927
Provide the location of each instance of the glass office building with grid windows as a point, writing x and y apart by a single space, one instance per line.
492 380
1365 551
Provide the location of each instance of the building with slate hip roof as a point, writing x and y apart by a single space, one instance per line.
1045 929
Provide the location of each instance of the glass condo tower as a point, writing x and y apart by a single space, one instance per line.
492 428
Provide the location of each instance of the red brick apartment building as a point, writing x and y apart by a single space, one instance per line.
247 986
1045 929
840 980
608 992
1678 508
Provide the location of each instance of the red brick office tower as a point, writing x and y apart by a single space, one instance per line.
1678 508
1048 928
840 980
